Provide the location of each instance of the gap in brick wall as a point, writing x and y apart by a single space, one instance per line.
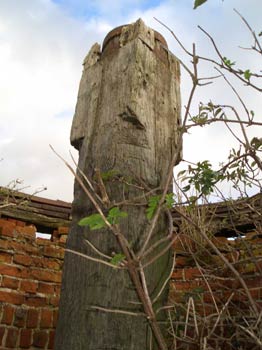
43 235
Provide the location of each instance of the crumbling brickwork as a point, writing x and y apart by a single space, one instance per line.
30 279
31 270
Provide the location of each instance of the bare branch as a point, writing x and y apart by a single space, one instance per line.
116 311
93 259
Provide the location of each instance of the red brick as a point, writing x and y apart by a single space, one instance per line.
54 301
28 286
182 285
23 247
221 242
7 231
55 317
4 245
14 271
51 343
183 243
26 338
22 259
54 264
63 230
182 261
254 282
218 296
32 318
20 317
54 252
2 333
32 300
11 298
40 339
9 282
46 288
63 239
43 241
205 309
26 231
8 315
7 223
58 289
11 220
20 223
11 338
55 236
256 293
46 320
192 272
7 228
178 274
47 263
47 276
5 257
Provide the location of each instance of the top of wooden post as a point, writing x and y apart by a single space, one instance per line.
120 36
116 33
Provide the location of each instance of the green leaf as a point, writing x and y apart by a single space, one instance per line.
94 221
228 63
152 205
256 142
186 188
247 74
115 214
170 200
218 110
199 3
117 258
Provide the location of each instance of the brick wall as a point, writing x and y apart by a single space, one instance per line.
30 279
201 278
31 268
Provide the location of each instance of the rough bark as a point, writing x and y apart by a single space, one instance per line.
126 120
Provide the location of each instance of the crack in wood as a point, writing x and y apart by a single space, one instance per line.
130 116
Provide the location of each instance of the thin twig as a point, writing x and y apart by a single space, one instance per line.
93 259
116 311
167 280
96 250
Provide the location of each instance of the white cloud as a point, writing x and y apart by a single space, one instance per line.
41 50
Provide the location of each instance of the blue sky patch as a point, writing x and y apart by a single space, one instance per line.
93 8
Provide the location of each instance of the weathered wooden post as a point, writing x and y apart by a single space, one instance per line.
125 125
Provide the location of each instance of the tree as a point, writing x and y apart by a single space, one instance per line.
110 192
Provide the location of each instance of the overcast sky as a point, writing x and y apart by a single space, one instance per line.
42 46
